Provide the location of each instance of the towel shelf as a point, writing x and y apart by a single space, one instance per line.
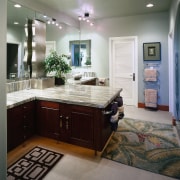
151 87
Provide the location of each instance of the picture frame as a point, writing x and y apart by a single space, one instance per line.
152 51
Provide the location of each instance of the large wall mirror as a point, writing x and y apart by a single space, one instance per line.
16 20
80 52
66 41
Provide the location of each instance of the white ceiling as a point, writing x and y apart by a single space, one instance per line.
98 9
105 8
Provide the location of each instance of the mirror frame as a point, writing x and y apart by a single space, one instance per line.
78 44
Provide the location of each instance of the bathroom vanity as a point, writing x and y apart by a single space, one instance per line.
71 113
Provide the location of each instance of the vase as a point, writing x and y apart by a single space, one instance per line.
59 81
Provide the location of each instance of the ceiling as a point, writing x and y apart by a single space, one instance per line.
98 9
105 8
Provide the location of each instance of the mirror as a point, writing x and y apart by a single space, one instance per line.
61 39
80 52
16 18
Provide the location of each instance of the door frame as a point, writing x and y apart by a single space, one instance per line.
19 61
135 65
52 44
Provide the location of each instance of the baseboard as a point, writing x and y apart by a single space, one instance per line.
160 107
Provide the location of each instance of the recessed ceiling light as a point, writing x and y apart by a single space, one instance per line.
16 22
149 5
17 5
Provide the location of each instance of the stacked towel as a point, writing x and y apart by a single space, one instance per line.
117 112
115 118
151 98
150 74
102 81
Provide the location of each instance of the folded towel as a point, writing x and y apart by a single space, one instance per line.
121 109
150 74
115 118
151 98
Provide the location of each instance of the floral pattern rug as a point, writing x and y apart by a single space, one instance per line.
145 145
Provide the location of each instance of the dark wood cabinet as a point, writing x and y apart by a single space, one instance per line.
80 125
15 127
68 123
82 121
28 110
20 124
47 119
75 124
65 122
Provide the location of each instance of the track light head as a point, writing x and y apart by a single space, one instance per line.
86 14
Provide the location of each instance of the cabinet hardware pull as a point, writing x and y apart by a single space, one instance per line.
67 125
60 123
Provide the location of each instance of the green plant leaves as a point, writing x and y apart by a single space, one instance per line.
56 63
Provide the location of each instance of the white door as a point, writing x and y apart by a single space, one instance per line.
50 45
123 67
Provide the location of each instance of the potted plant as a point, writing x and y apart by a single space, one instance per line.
56 63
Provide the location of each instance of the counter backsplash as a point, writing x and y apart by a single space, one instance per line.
18 85
39 83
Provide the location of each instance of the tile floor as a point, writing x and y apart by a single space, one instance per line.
81 164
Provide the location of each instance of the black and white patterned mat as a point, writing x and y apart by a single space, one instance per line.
33 165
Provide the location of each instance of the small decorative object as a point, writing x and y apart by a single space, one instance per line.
56 63
88 61
152 51
77 76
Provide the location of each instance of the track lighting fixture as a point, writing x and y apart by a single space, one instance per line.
53 21
86 18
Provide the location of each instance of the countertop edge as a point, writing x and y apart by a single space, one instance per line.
81 103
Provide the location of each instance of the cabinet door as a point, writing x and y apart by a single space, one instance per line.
48 119
29 118
82 119
15 127
65 122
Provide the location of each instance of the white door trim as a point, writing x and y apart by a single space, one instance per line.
135 39
52 44
19 65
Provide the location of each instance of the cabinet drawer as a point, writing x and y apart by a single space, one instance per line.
49 104
82 109
28 107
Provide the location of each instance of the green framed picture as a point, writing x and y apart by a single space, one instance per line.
152 51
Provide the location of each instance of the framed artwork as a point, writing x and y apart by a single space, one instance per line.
152 51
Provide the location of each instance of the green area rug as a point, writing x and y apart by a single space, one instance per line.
145 145
34 165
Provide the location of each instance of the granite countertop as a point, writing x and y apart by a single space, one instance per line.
86 95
